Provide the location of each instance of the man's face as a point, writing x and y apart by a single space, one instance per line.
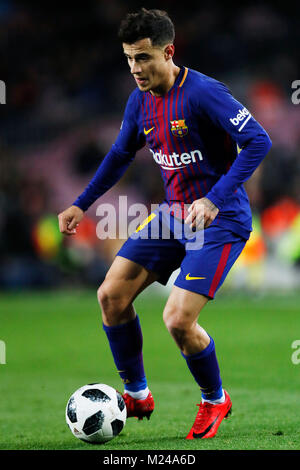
148 64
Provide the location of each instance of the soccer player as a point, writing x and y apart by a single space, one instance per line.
207 145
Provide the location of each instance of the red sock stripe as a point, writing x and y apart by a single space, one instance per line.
220 269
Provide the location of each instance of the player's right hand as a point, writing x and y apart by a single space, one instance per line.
69 220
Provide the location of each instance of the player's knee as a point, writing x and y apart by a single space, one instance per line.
179 325
176 326
175 319
102 295
111 301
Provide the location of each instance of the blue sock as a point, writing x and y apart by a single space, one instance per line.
205 370
126 343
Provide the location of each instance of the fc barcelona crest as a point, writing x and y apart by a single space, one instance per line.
179 128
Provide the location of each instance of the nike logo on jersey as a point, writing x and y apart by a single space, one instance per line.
243 113
191 278
146 131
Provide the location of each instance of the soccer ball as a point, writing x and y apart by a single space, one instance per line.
96 413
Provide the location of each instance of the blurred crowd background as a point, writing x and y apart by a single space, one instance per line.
67 84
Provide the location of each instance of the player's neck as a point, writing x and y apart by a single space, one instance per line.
168 82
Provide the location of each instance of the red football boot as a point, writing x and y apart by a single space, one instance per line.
209 418
139 408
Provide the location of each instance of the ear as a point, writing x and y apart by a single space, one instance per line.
169 51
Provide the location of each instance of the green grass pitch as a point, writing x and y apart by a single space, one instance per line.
55 344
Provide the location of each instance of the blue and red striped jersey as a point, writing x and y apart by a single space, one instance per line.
205 142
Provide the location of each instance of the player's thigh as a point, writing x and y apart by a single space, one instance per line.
204 270
182 308
124 281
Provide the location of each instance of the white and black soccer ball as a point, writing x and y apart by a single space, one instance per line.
96 413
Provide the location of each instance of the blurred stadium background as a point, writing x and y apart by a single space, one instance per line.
67 84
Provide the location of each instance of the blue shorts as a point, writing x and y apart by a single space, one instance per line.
204 263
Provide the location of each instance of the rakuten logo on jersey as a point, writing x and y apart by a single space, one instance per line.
176 160
243 113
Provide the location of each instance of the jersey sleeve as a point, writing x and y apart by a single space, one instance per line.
117 160
217 104
130 139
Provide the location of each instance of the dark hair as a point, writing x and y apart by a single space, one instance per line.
153 24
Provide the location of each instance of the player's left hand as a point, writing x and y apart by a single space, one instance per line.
202 213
